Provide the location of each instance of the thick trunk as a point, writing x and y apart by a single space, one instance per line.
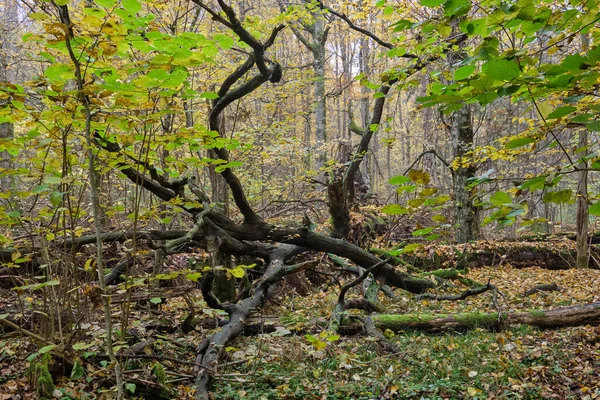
338 209
465 212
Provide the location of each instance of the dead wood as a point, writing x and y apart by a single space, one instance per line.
586 314
210 351
544 287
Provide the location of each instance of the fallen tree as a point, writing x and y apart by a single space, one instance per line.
586 314
583 314
553 254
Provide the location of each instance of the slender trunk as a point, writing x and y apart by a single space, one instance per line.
65 19
7 130
582 190
582 205
318 50
465 212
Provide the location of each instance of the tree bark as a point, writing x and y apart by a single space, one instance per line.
582 205
466 213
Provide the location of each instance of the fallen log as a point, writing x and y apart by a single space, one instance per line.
554 254
586 314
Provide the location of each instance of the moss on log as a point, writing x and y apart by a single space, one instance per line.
587 314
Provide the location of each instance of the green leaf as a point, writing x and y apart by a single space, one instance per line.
464 72
81 346
132 7
516 143
501 70
561 112
499 199
399 180
56 198
594 209
332 338
57 71
13 151
558 197
394 209
130 387
77 372
582 118
61 2
106 3
155 300
14 214
39 189
536 183
46 349
423 232
209 95
456 8
193 276
230 164
432 3
573 62
410 248
594 126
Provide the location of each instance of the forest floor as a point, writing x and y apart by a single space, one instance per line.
517 363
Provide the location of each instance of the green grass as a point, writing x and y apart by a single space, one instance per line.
449 365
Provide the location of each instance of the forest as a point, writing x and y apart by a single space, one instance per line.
312 199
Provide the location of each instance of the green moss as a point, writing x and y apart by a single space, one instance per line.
40 377
159 372
443 273
405 319
537 313
477 318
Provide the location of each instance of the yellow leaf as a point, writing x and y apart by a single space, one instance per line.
238 272
419 177
473 391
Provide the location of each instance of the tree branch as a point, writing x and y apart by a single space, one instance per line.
431 151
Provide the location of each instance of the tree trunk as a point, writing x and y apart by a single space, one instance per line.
465 212
582 205
339 208
318 51
8 21
223 284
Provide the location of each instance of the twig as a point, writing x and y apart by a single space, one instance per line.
153 357
355 282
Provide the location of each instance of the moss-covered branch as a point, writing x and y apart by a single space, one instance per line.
587 314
